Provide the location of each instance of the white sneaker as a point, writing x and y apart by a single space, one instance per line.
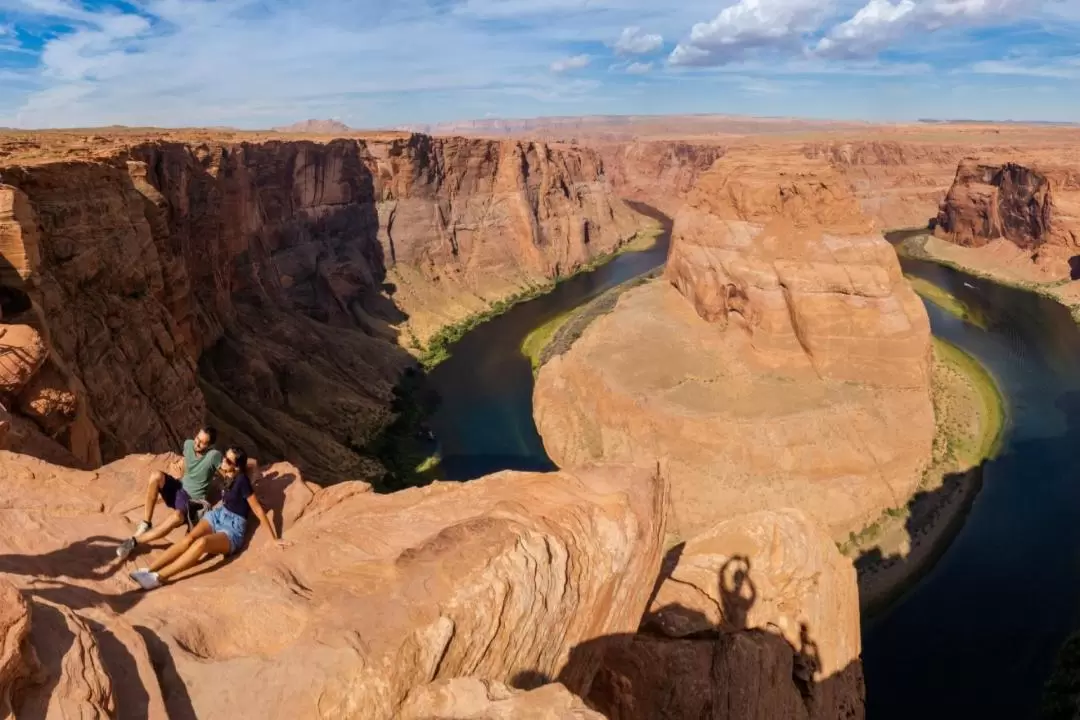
126 548
142 528
147 580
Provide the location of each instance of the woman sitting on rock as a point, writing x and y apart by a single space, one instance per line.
220 532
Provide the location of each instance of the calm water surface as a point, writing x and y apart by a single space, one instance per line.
978 636
484 422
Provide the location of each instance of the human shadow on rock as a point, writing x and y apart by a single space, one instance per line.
682 665
271 489
93 558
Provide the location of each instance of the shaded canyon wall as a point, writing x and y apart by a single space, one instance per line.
273 285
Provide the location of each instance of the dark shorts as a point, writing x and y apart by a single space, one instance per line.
174 495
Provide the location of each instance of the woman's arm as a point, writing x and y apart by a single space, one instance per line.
253 503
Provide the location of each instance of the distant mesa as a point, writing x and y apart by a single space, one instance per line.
315 127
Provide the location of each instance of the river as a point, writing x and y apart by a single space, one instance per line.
975 638
484 421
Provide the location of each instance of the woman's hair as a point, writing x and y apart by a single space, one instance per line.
241 463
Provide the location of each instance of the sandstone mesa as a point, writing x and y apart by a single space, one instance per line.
782 362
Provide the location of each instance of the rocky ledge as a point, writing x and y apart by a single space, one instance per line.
782 362
517 595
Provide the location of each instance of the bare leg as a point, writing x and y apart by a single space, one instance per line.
153 487
178 549
215 544
175 520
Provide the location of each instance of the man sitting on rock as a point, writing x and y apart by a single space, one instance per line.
201 462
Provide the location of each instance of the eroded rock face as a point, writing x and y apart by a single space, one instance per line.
784 362
274 286
899 183
372 597
758 617
1031 206
660 173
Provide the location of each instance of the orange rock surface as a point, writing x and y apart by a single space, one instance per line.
1037 208
784 362
371 598
758 617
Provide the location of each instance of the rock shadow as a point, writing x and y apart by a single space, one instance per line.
93 558
722 670
173 690
1074 267
934 518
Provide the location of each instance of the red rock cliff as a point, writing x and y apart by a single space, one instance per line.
1030 205
273 283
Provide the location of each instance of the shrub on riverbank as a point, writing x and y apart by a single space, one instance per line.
904 542
557 335
438 346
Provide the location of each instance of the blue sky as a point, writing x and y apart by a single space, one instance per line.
382 63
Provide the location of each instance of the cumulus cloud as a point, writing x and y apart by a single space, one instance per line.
748 26
639 68
882 23
571 63
634 42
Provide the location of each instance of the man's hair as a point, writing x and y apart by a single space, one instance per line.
211 432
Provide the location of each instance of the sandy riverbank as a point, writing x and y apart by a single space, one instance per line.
1000 262
893 553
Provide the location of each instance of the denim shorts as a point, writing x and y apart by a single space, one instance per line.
229 523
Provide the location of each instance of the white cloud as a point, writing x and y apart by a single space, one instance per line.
634 42
882 23
748 26
571 63
639 68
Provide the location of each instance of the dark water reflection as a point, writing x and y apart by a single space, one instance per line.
484 422
978 636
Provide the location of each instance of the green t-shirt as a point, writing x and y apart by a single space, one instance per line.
199 471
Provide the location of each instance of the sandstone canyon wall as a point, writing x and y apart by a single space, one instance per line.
660 172
1037 207
273 285
784 361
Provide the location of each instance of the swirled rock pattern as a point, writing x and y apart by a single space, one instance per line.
372 597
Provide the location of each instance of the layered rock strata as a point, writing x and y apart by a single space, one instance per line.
1034 207
783 361
274 285
510 579
758 617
